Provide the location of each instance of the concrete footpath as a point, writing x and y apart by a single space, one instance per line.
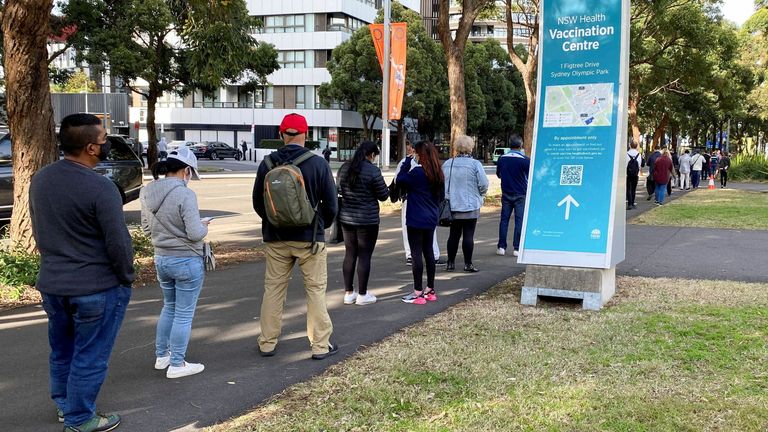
226 325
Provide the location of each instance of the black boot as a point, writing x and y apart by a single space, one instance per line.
450 266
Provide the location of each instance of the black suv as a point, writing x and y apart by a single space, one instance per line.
122 166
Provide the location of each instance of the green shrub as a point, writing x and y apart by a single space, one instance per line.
18 268
142 244
749 167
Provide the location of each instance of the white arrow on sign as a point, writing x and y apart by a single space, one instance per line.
568 200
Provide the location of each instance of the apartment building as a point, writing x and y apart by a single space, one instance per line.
305 32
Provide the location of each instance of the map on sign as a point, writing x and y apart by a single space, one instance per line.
578 105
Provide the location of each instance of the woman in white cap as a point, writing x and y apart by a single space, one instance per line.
169 213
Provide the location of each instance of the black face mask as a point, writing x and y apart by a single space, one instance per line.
104 152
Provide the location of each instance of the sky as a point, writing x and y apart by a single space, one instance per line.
738 10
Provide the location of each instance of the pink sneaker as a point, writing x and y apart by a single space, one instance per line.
415 299
430 296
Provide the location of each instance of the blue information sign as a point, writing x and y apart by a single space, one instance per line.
575 206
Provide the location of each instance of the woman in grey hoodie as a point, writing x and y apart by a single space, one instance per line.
169 213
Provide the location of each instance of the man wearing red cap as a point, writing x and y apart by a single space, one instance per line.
285 246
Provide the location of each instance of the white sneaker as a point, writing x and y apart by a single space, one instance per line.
350 298
162 362
186 370
501 251
515 253
365 299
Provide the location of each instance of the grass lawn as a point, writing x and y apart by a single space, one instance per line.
719 208
665 355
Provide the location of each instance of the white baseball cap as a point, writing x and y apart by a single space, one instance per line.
185 155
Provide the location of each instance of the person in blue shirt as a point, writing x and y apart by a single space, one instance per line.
423 180
512 168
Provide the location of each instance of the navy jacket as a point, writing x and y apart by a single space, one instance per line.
512 168
360 200
423 199
318 181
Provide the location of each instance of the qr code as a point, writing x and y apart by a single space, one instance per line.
570 175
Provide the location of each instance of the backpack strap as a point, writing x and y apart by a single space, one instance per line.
302 158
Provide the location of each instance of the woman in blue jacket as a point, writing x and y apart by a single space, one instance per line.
362 187
423 181
466 186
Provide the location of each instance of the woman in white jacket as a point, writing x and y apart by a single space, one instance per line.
685 170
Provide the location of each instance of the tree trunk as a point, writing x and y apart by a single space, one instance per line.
25 26
151 127
675 130
458 96
634 122
366 131
530 121
658 134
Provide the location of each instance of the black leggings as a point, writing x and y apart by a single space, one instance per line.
723 177
418 239
359 242
462 228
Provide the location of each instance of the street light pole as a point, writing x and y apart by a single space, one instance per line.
385 90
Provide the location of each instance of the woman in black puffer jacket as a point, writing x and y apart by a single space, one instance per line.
360 185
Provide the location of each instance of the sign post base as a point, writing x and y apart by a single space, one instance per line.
594 286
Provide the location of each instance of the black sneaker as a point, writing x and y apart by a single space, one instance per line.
469 268
439 262
332 349
408 261
450 266
267 353
97 423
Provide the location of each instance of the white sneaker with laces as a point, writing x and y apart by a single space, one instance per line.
365 299
501 251
350 298
186 370
515 253
162 362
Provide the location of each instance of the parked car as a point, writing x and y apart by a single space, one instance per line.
122 166
499 152
173 145
215 150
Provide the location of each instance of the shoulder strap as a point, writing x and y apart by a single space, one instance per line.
634 158
304 157
269 162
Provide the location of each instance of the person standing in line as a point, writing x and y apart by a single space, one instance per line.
685 170
244 146
466 186
403 211
650 184
170 215
713 162
162 149
512 168
722 166
663 173
302 245
697 161
86 269
705 171
634 164
423 181
362 187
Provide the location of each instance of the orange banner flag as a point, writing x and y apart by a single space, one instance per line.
397 60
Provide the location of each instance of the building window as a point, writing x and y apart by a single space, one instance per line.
291 59
343 23
300 104
283 24
270 97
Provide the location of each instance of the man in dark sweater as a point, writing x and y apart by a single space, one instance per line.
512 168
286 246
86 269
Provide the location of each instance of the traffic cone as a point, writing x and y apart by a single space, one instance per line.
711 185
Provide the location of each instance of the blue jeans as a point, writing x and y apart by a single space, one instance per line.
695 178
82 332
181 279
510 202
661 189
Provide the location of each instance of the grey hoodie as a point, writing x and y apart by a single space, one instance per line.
176 228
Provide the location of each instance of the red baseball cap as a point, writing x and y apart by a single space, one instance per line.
293 122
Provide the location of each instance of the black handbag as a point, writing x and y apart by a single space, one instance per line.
395 191
445 215
337 234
